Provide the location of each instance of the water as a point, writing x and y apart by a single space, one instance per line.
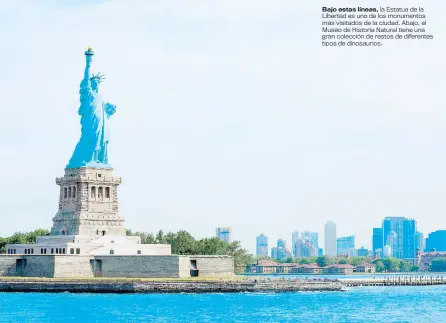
362 304
344 277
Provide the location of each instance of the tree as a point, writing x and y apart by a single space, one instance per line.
379 266
183 244
415 268
160 237
241 256
403 266
438 265
304 261
343 262
322 261
391 264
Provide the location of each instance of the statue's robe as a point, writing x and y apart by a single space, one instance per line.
92 146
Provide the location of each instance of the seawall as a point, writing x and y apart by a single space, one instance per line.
130 286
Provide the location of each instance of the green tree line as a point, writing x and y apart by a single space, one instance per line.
22 238
183 243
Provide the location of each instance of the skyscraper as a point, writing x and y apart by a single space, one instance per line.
281 251
305 248
419 241
312 237
436 240
294 237
262 245
377 239
224 233
404 233
330 239
345 245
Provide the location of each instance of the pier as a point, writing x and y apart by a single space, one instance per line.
397 281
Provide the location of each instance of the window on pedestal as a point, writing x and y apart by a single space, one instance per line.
112 252
93 192
74 192
69 192
100 191
65 194
107 192
78 251
71 251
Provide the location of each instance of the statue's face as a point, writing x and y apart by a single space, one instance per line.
94 84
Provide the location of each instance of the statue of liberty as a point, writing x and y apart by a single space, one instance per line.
91 150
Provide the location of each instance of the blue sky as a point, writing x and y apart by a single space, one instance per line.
229 113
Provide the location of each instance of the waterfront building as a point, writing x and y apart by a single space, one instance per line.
262 245
377 239
330 239
344 245
420 244
269 267
339 269
366 268
224 234
436 241
404 229
306 269
425 259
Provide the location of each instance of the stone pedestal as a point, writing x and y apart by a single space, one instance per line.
88 203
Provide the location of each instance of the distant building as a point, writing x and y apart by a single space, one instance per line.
294 237
305 248
404 233
377 239
419 241
363 252
387 253
281 251
391 242
262 245
224 234
436 241
344 245
313 237
330 239
320 252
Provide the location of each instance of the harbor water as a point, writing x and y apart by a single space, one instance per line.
359 304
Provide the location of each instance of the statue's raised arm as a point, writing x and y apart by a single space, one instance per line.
88 58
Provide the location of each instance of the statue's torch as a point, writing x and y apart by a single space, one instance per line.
89 52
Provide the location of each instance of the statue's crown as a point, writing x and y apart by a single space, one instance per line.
100 77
